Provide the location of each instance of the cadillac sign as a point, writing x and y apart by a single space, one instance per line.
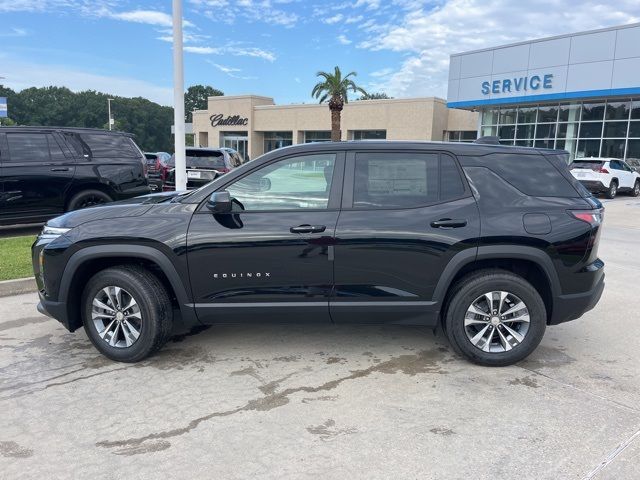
218 119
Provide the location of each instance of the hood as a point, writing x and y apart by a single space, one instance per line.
132 207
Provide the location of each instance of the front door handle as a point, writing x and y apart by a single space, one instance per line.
60 169
449 223
308 229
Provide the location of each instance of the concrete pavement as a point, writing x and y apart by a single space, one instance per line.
331 402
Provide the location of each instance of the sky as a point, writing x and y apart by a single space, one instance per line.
272 47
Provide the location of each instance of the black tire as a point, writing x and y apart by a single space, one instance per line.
88 198
613 190
467 290
154 306
636 189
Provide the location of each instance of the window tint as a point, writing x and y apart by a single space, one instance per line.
531 174
616 165
295 183
57 155
109 146
395 180
28 147
451 185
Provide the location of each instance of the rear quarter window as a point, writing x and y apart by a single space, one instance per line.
110 146
532 174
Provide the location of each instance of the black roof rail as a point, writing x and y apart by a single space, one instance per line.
488 140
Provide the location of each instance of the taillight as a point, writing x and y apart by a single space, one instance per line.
164 170
603 170
224 170
592 217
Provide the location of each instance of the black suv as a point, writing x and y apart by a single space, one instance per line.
203 166
46 171
491 242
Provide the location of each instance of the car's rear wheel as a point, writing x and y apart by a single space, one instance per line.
88 198
613 190
636 189
495 318
127 313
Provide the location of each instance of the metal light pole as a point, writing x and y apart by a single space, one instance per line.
178 99
109 109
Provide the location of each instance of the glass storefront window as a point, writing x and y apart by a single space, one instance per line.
507 116
525 143
369 134
527 114
273 140
568 145
525 131
545 143
634 129
490 117
567 130
506 132
569 112
548 113
592 111
461 135
633 149
613 148
617 110
317 136
588 148
635 110
546 130
488 131
615 129
591 130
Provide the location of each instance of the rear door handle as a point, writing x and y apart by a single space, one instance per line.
60 169
308 229
449 223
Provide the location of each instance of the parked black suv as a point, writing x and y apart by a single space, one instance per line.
47 171
492 242
203 166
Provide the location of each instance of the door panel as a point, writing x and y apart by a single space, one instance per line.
271 258
388 260
36 176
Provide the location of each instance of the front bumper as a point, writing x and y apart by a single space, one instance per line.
571 307
55 310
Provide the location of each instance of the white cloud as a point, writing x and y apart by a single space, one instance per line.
263 11
25 75
14 32
385 72
251 52
231 71
428 35
335 19
202 50
344 40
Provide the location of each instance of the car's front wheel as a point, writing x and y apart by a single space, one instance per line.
636 189
495 318
127 313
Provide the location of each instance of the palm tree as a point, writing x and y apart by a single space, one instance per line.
335 87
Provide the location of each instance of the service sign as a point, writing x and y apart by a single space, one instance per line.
3 107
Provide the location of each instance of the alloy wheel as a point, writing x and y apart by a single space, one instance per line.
496 322
91 201
116 317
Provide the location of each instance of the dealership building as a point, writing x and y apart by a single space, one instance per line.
254 125
578 92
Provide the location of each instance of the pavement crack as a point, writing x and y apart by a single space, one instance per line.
422 362
611 456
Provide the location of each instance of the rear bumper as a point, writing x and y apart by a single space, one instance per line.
570 307
594 186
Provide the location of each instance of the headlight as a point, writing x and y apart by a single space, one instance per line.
51 233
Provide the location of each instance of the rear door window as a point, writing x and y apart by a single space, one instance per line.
28 147
404 180
110 146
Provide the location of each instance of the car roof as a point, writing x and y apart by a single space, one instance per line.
458 148
30 128
596 159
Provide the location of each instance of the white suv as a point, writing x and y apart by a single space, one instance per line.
606 175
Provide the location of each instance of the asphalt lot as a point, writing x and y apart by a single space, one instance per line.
358 402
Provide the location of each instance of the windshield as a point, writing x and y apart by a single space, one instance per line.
201 159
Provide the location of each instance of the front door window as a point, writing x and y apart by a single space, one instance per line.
296 183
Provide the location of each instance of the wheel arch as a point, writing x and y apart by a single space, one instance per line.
530 263
84 263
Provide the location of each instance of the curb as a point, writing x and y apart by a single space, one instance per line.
17 286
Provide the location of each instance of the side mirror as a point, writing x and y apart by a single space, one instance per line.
219 202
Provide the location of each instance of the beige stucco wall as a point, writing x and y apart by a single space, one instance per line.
403 119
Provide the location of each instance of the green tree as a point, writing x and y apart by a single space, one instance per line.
335 88
375 96
195 98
